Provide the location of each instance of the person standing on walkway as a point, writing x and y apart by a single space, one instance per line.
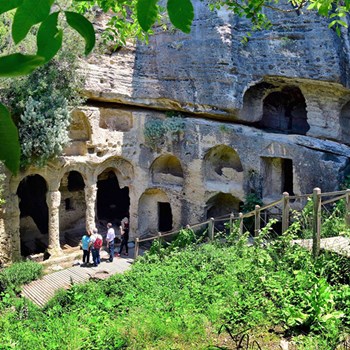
95 246
110 241
85 246
124 232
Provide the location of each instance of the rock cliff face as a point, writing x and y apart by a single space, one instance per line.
184 128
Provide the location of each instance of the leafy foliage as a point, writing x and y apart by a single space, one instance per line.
157 131
41 103
19 273
184 296
43 130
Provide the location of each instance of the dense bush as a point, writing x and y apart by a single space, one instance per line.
180 299
18 274
41 102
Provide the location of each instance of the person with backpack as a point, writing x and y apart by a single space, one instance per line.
124 232
95 246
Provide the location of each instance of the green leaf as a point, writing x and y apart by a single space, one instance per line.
7 5
18 64
29 13
181 14
146 13
83 27
9 143
49 38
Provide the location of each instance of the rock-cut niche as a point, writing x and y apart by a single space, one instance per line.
222 163
167 169
155 213
222 204
285 112
34 215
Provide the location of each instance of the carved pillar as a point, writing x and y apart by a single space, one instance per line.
90 199
53 199
10 242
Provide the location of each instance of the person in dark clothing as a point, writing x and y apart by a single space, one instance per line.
124 232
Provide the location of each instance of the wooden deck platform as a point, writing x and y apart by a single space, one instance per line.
339 244
42 290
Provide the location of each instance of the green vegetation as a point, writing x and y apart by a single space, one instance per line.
11 278
182 299
157 131
40 103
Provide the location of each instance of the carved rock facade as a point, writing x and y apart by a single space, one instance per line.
266 117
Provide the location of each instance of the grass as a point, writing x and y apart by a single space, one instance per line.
194 298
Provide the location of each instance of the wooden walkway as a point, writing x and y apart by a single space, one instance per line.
339 244
42 290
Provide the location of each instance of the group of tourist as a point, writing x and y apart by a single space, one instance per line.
93 241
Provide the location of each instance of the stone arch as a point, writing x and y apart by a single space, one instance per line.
154 212
222 163
72 208
285 112
253 101
167 169
113 201
123 169
34 214
222 204
345 123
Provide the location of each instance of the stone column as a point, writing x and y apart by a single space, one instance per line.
53 199
10 240
90 200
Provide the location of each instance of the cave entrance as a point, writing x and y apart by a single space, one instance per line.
165 217
285 112
277 176
73 208
113 202
34 214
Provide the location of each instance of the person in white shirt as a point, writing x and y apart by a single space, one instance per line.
110 241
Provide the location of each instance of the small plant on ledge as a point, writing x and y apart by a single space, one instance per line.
158 131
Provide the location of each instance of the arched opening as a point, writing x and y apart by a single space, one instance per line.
113 202
222 204
167 169
345 123
285 112
222 163
72 209
155 213
34 214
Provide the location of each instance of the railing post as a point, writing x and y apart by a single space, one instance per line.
257 220
241 227
347 208
231 222
211 229
136 253
316 227
159 241
285 212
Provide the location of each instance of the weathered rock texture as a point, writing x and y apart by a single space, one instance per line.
264 117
